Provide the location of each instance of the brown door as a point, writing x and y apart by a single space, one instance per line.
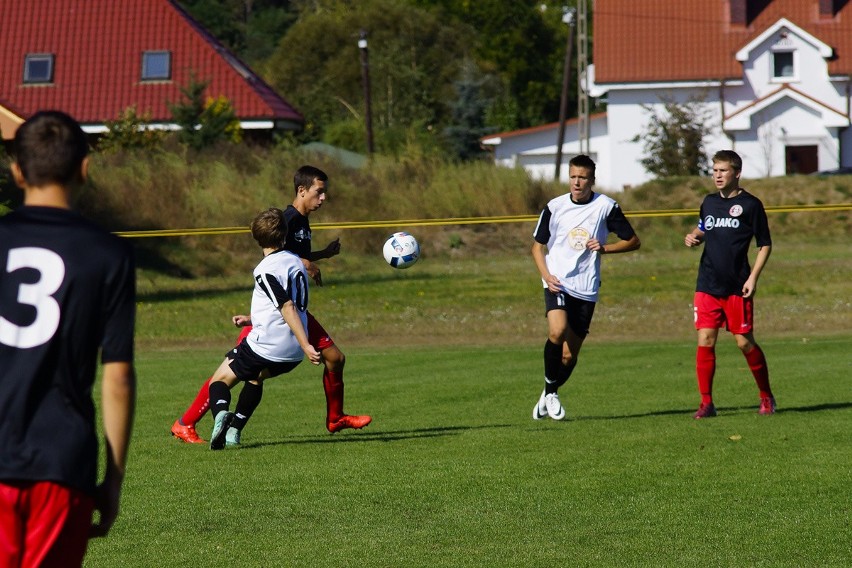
801 159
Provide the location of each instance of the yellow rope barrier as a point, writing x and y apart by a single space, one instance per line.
463 221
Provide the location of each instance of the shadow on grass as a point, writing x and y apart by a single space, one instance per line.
722 409
379 436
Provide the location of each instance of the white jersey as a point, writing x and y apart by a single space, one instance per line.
566 227
278 278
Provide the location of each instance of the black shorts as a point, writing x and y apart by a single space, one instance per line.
247 365
579 311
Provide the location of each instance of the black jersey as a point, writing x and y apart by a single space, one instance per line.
298 233
67 288
729 226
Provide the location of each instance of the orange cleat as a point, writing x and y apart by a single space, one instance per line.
347 421
186 433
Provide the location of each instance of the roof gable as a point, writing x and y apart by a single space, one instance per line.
781 26
741 119
677 40
98 47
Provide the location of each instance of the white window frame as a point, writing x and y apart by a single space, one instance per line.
29 77
795 62
146 75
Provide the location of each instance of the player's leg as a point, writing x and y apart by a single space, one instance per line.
219 393
247 403
554 370
740 312
709 317
332 379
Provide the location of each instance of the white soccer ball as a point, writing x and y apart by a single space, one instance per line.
401 250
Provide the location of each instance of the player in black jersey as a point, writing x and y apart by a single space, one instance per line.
724 294
67 289
310 186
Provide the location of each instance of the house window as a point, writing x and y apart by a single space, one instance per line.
156 66
38 68
783 67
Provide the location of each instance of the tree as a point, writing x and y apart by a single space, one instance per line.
414 57
468 112
204 120
130 131
674 138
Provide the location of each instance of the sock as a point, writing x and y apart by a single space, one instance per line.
565 373
553 368
332 383
220 397
199 406
757 363
705 368
249 399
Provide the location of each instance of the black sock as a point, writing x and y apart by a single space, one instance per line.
552 367
248 401
565 373
220 397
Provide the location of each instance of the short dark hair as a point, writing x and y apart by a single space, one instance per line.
269 228
49 148
306 175
729 156
583 161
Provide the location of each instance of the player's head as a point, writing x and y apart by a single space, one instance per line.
730 157
583 161
305 177
269 228
50 148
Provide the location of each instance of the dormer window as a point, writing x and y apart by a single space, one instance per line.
783 65
156 66
38 68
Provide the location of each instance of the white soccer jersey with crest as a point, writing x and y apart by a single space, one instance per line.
566 228
278 278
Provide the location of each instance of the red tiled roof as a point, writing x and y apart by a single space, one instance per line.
682 40
541 127
98 46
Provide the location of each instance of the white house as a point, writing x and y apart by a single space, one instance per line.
772 75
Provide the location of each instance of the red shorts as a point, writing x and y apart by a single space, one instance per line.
317 335
735 312
43 524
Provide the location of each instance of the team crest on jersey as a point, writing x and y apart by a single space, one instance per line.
578 237
302 235
736 210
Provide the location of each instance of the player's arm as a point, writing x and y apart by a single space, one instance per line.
332 249
539 251
118 394
750 286
694 238
617 223
291 316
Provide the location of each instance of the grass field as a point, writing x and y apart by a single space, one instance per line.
454 472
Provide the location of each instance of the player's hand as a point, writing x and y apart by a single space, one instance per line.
691 240
749 288
333 248
241 320
553 283
594 245
313 355
314 272
107 497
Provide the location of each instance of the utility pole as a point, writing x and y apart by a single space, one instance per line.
365 74
583 76
568 18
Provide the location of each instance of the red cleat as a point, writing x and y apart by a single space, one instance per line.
705 411
347 421
186 433
767 405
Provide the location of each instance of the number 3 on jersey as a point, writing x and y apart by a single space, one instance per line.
39 294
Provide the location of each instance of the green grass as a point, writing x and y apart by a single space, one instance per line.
454 472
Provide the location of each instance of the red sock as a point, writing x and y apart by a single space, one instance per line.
199 406
757 363
705 368
332 382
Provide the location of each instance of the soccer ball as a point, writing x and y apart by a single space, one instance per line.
401 250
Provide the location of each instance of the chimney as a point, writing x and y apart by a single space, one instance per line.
826 8
739 11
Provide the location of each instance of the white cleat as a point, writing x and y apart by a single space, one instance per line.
554 407
540 408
